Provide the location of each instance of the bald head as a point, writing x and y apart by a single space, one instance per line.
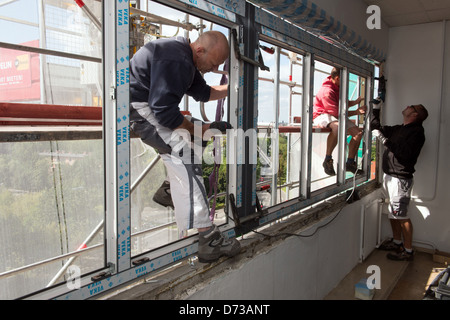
210 50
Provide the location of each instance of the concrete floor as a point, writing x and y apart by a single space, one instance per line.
417 277
399 280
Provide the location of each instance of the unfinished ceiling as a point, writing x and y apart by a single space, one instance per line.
396 13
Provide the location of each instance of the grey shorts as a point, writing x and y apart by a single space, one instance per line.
399 192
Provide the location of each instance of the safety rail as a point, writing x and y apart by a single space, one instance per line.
18 118
44 122
48 114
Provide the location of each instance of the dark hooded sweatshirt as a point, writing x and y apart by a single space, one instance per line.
161 72
403 145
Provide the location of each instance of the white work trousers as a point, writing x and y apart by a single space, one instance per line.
184 170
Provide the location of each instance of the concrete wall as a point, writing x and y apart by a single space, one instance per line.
297 268
308 268
418 71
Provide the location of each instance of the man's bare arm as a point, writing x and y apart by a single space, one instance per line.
218 92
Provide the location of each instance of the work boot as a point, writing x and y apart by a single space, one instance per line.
162 196
213 245
328 166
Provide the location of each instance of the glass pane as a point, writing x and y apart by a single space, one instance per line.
154 225
51 202
265 169
61 26
356 89
52 178
319 179
287 156
291 108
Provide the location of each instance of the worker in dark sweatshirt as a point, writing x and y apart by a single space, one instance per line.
403 144
161 73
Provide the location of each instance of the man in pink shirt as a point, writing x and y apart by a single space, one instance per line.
326 114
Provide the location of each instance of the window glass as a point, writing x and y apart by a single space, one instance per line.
51 182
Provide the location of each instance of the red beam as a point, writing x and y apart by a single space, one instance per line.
45 114
23 114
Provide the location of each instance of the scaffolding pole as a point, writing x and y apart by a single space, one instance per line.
89 13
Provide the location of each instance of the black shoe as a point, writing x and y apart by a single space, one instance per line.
162 195
402 255
328 166
390 245
351 166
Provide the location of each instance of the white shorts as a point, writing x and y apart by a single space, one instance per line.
323 120
399 193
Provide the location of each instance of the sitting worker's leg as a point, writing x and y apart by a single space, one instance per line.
331 144
353 146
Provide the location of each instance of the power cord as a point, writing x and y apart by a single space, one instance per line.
287 234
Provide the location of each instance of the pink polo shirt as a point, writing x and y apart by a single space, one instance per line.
327 99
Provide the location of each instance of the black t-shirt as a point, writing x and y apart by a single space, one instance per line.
403 146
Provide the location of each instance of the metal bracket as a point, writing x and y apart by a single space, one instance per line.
106 274
101 276
241 57
141 261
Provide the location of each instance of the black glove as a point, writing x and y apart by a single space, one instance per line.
222 126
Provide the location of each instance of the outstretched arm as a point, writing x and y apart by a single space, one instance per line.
218 92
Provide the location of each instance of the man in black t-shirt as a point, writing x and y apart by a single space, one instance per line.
403 144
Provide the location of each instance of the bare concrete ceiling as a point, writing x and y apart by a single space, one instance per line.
396 13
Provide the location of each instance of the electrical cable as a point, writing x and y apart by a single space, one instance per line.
287 234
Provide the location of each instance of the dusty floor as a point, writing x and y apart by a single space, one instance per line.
417 278
399 280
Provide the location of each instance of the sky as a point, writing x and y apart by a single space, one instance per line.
26 10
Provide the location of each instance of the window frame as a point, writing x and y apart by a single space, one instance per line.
120 266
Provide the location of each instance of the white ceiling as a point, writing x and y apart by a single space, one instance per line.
397 13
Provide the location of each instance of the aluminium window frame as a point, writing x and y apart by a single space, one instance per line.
289 36
120 266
